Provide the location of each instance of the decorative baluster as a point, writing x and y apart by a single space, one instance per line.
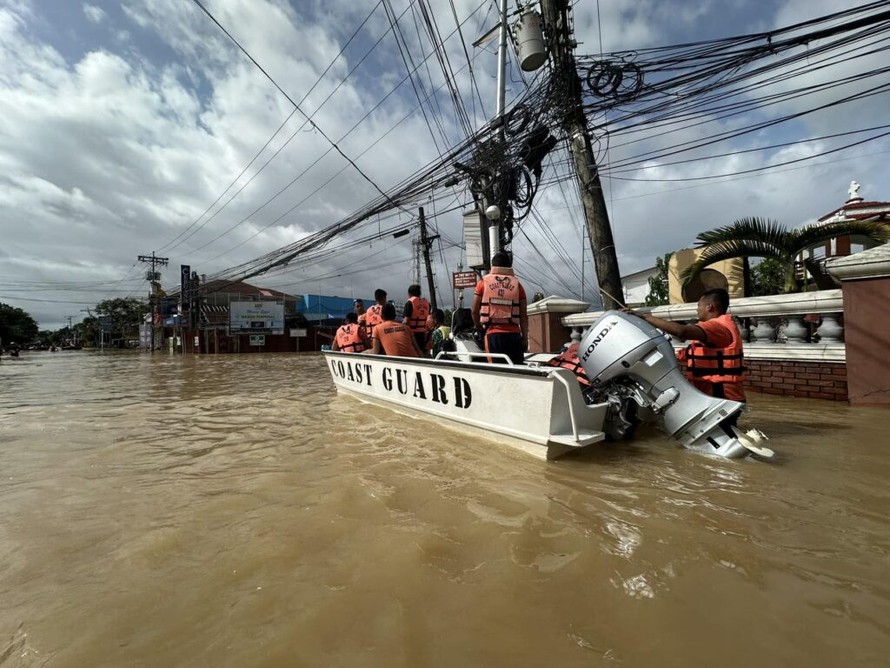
780 332
794 331
764 331
830 330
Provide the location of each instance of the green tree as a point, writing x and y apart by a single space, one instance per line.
658 284
767 278
759 237
125 314
16 326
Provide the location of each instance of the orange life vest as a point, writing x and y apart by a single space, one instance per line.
430 326
500 298
420 309
372 316
350 338
570 360
722 368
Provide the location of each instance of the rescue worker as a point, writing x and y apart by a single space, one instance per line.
350 337
393 338
499 306
358 306
374 315
415 313
714 360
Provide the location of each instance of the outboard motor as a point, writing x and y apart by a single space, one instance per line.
628 360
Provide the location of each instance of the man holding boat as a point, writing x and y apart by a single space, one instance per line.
714 360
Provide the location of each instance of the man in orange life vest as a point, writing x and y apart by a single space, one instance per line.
393 338
714 359
415 313
374 315
350 338
499 305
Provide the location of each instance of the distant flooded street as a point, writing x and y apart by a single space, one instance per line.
161 511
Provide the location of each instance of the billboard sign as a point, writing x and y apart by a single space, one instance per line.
256 318
464 279
476 239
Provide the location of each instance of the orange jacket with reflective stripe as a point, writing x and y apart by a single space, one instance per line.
500 298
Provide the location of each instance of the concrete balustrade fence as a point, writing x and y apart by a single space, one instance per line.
826 344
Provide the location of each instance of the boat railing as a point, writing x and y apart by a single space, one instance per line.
570 385
448 355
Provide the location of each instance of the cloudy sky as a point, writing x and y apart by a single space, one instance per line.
133 127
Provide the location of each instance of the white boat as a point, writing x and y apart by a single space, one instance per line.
633 375
539 410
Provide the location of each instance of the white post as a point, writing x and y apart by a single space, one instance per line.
502 63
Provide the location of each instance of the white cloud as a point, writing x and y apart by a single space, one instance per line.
93 13
109 150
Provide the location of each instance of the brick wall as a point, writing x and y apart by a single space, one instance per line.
816 380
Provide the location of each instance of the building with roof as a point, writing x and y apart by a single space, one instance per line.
811 264
236 317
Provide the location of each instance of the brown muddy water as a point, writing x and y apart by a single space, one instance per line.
233 511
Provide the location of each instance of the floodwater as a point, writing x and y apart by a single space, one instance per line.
161 510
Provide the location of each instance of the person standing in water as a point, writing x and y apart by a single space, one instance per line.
714 359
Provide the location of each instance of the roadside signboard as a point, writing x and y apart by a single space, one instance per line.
464 279
298 331
257 339
256 318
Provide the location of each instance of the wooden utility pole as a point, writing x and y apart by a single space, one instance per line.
426 241
568 92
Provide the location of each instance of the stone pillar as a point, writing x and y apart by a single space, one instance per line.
865 280
545 332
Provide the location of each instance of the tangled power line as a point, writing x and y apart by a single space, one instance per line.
665 106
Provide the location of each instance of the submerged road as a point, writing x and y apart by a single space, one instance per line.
163 511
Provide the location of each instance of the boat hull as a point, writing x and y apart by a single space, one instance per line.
538 410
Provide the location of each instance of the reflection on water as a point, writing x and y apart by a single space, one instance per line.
231 511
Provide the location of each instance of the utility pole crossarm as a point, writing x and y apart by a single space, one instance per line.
154 279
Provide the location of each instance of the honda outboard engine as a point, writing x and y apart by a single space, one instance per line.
628 360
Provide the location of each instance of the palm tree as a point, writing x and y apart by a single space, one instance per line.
760 237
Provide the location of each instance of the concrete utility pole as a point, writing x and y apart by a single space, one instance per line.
426 241
559 38
154 278
71 329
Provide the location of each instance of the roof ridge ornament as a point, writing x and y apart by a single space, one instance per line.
854 192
